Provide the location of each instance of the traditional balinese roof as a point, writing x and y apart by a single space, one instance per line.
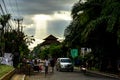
51 37
50 40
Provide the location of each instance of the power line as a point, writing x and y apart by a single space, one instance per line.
11 8
11 22
2 9
9 26
12 12
17 7
5 6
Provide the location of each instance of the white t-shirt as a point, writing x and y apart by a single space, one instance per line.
46 62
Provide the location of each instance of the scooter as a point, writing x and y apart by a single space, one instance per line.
83 69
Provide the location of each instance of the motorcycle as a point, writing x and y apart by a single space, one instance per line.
83 69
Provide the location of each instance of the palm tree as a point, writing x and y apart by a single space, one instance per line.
96 24
3 21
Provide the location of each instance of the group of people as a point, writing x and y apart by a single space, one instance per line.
37 65
34 63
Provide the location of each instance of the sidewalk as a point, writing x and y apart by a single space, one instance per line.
104 74
100 73
18 77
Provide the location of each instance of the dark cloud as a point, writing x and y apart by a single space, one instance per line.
57 27
26 7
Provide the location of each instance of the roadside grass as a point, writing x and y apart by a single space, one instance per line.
5 69
94 69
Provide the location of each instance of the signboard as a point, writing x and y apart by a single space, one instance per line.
7 59
74 53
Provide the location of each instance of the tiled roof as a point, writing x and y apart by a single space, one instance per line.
50 37
50 40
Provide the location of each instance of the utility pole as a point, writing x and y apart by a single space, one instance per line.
19 22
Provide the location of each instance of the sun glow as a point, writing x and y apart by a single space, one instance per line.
41 25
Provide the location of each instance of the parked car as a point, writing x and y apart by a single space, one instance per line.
64 64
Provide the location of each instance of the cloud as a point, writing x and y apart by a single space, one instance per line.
26 7
42 17
36 42
63 15
50 24
57 27
30 30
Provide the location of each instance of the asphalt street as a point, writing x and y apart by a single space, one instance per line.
64 75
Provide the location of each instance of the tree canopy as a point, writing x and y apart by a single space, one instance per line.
96 24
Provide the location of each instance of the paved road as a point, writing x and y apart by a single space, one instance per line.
76 75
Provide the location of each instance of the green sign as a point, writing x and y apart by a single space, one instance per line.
74 53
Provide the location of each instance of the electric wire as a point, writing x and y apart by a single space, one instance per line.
3 13
17 7
8 24
5 9
12 11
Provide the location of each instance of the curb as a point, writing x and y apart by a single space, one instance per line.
104 74
8 75
100 73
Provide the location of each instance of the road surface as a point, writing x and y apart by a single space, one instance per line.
64 75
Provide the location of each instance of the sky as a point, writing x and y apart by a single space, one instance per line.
41 17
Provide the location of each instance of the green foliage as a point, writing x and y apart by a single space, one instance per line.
15 41
53 50
37 50
44 53
4 19
29 39
96 25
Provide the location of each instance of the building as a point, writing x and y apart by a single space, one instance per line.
49 40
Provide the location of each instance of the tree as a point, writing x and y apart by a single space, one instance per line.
17 43
55 51
3 21
96 25
29 39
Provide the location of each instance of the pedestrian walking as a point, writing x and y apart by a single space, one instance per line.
52 64
36 65
46 64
